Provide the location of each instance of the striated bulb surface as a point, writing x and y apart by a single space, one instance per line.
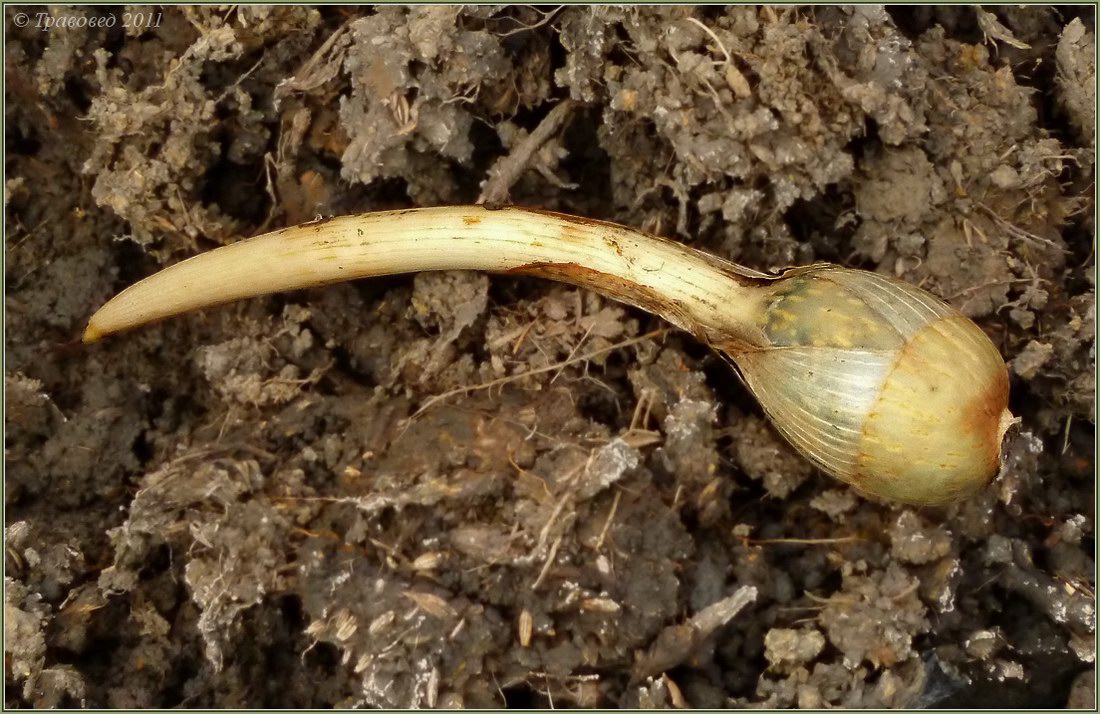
880 384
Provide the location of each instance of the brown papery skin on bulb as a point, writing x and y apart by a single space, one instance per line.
948 397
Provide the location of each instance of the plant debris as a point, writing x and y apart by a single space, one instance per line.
465 490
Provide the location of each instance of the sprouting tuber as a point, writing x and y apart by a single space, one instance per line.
875 381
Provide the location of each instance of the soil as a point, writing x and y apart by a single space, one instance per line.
454 489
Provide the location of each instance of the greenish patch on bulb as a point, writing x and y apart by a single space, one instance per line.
809 310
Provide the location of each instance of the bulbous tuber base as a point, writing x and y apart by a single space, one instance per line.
881 384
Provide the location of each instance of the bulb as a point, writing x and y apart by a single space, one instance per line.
880 384
877 382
